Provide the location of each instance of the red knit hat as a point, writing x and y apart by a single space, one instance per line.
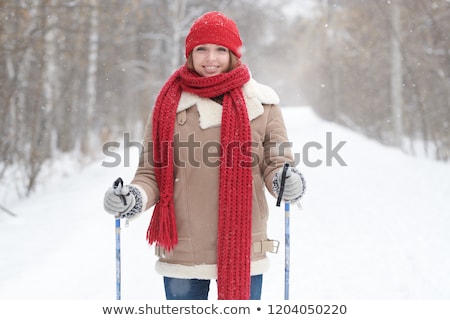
214 27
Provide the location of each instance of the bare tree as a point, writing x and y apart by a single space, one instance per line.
385 69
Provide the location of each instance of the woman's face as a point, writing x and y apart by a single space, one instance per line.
210 59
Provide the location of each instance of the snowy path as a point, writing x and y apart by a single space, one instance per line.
377 228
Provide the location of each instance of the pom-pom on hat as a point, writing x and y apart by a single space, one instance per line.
216 28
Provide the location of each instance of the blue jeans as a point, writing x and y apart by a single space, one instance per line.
195 289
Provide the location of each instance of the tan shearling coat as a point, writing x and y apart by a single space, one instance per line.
196 186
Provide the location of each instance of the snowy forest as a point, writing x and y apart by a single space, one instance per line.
75 74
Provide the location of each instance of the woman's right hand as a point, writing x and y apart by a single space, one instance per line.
118 199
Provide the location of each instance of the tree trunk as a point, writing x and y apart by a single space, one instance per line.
89 140
396 76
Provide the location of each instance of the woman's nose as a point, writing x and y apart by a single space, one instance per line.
211 55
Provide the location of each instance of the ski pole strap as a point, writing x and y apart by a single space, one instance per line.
282 182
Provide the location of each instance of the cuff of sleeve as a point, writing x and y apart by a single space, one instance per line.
143 195
137 209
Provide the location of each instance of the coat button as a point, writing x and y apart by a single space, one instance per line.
181 117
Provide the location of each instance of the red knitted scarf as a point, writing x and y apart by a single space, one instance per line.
235 185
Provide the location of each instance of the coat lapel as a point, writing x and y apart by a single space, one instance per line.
210 112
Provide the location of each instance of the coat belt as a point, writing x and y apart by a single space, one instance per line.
258 247
266 246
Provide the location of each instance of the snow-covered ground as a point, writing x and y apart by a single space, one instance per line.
377 228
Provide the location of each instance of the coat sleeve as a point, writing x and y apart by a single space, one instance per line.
277 147
144 178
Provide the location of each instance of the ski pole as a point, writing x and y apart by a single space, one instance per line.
118 271
117 186
287 249
287 234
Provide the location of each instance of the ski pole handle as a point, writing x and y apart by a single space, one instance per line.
282 182
118 185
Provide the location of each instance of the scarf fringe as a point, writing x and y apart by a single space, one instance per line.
162 229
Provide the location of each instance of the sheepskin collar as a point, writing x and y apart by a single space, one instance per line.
210 112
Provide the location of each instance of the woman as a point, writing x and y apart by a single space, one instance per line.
214 140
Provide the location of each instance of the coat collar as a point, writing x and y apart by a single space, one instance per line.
210 112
